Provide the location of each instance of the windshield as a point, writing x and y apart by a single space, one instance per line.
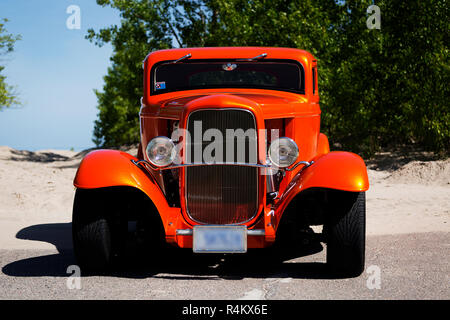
285 75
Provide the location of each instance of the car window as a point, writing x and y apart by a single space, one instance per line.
314 80
284 75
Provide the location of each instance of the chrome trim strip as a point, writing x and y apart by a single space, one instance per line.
185 232
252 232
306 163
195 164
256 232
142 164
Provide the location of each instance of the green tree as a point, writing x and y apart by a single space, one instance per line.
7 95
378 87
145 26
418 73
390 86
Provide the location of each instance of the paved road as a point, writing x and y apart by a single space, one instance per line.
412 266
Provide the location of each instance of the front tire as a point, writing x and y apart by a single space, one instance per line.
346 234
91 233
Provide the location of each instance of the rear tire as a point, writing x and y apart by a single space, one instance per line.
346 235
91 233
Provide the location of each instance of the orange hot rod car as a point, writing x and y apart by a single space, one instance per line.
231 157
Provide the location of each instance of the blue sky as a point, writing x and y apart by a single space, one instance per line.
55 71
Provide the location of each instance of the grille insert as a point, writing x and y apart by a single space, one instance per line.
222 194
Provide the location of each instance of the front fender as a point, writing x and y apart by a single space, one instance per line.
335 170
108 168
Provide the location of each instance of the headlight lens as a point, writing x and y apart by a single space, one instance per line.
161 151
283 152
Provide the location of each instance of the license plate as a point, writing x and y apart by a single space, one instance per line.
220 239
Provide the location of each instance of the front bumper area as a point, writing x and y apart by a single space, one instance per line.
179 232
261 235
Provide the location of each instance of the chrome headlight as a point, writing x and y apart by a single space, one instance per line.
161 151
283 152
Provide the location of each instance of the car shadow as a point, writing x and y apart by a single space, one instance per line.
170 263
394 158
57 234
24 155
62 161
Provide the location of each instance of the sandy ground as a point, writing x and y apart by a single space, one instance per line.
408 239
36 188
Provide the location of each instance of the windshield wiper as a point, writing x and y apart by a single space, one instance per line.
260 56
183 58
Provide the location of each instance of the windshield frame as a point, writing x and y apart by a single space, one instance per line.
301 90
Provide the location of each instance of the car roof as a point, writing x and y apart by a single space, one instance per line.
229 53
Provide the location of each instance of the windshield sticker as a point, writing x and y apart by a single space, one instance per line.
229 67
160 85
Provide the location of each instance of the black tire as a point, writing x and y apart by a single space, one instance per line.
91 233
346 235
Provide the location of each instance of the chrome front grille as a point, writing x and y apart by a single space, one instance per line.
222 194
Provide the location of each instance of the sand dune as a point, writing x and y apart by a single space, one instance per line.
36 188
